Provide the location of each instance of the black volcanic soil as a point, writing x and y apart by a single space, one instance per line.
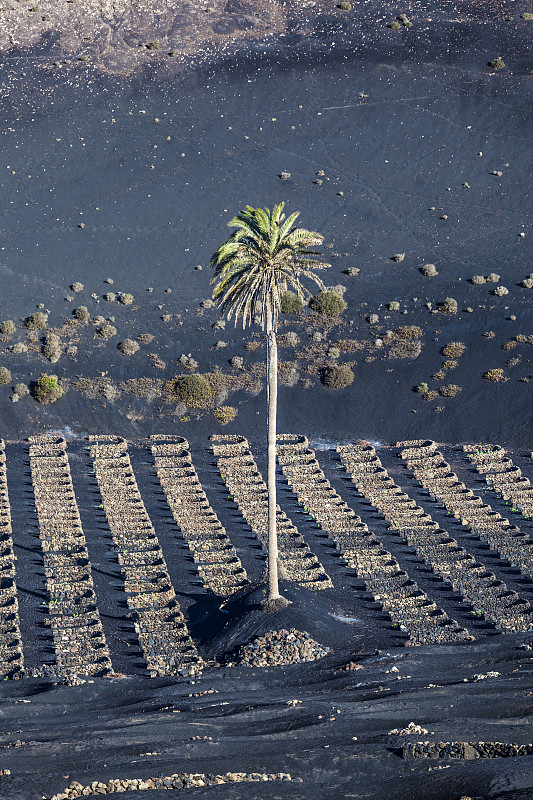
335 739
128 166
408 127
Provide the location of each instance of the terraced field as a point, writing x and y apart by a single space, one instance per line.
117 556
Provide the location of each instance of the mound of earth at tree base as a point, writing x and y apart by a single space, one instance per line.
308 611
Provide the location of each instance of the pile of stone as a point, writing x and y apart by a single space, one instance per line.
409 607
489 597
502 476
219 566
160 625
11 655
179 780
79 642
465 750
277 648
248 489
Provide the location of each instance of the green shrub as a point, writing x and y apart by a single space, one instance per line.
128 347
393 305
82 314
328 303
125 298
290 303
495 375
290 339
52 348
107 331
47 390
395 25
405 348
110 297
497 63
7 327
18 348
408 332
449 306
422 388
225 414
36 321
5 376
21 389
453 349
152 46
449 391
193 391
337 377
345 6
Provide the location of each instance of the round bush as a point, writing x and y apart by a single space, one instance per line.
225 414
110 297
37 321
52 348
500 291
193 391
82 314
5 376
291 339
107 331
128 347
453 349
449 306
478 280
449 391
495 375
7 327
290 303
429 270
77 286
47 390
394 305
21 389
328 303
18 348
422 388
493 277
125 298
337 377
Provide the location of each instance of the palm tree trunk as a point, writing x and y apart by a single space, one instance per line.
272 402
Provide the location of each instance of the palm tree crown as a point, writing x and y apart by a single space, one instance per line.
265 256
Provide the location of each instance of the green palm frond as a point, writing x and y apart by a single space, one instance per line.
261 259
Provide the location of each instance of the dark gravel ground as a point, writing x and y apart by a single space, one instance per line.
397 120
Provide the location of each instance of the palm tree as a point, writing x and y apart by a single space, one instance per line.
265 256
